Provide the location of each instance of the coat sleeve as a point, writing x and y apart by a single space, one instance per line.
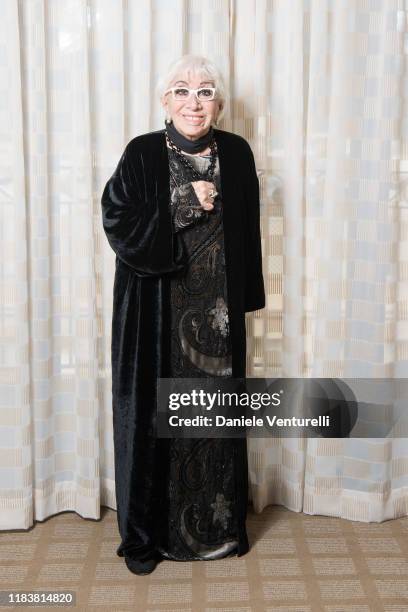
254 284
139 226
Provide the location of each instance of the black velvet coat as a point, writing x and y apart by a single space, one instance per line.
137 222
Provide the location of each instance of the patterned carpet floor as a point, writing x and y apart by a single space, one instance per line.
297 563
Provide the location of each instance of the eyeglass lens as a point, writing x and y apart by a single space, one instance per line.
182 93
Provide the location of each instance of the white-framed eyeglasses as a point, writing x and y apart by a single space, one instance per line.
204 94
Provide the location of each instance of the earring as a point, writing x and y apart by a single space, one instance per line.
168 120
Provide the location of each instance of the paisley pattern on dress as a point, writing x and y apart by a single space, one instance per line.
200 491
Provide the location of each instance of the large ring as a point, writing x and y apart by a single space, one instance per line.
213 193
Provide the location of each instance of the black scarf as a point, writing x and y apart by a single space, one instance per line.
189 146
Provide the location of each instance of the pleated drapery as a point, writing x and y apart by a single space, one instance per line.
319 88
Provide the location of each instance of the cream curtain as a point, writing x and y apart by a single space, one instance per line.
320 90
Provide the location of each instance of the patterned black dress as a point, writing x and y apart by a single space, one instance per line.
200 491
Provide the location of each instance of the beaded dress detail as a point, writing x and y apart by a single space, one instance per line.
201 483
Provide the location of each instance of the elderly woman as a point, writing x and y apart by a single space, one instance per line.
181 212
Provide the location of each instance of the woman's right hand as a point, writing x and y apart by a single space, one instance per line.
202 190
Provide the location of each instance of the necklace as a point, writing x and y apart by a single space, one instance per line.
209 173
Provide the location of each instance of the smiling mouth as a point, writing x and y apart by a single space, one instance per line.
194 119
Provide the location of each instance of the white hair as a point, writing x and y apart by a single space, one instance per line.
194 64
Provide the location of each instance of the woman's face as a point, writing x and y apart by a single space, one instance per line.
191 117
